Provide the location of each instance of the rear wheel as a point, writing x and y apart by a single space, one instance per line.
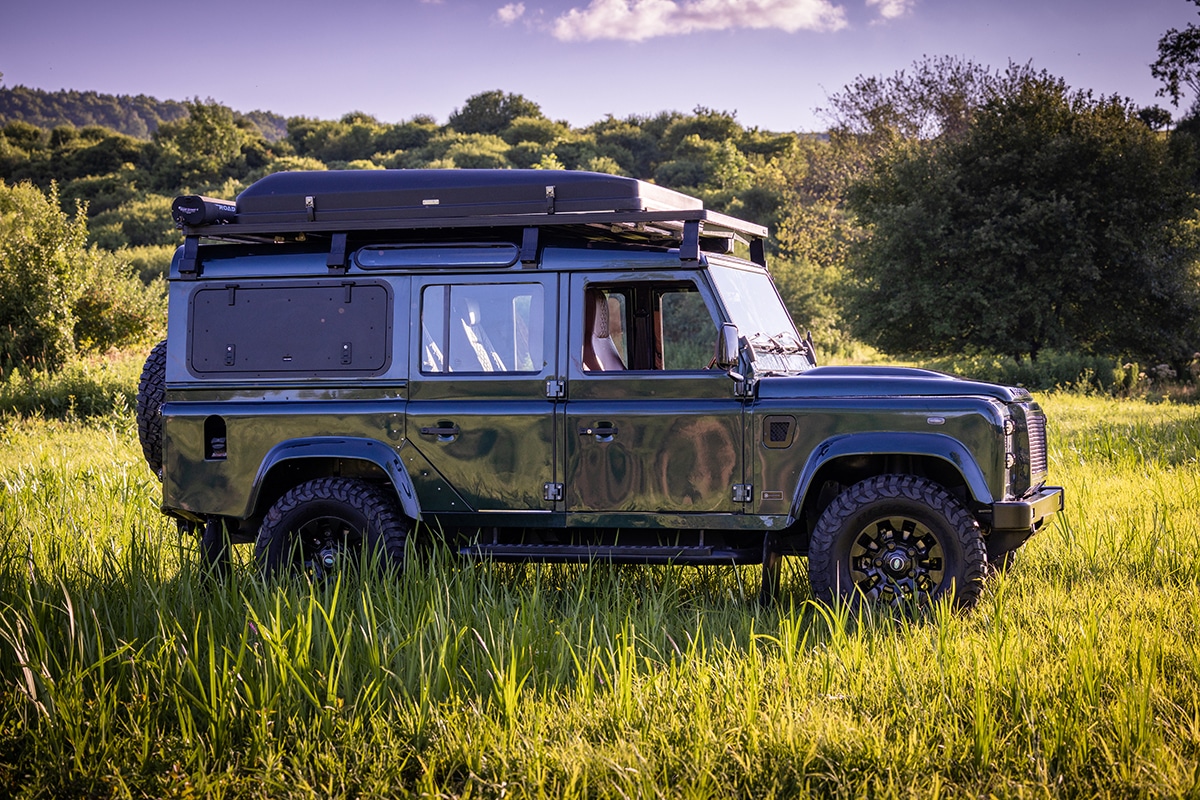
150 394
898 541
328 524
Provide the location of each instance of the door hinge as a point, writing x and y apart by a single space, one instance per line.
743 388
743 493
556 388
552 492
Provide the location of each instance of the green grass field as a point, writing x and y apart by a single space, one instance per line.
123 673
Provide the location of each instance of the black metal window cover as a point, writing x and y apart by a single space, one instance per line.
355 200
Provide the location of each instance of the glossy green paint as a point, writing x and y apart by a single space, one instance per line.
632 449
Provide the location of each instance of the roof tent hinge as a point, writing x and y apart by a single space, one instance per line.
189 265
336 261
758 252
549 199
689 249
310 207
529 248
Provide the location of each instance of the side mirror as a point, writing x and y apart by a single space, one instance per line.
727 346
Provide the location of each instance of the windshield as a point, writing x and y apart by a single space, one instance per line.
754 306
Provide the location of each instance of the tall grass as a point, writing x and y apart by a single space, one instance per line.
124 672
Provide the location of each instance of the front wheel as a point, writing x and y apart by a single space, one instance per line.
898 541
321 526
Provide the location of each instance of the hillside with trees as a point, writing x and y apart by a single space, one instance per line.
951 209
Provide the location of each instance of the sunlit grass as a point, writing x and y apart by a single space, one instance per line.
123 672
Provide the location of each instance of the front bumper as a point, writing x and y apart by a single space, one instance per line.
1028 513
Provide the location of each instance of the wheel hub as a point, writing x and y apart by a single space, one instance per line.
896 560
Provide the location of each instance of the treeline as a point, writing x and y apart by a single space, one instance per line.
133 115
951 210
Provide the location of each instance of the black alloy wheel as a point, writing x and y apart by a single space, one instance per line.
897 541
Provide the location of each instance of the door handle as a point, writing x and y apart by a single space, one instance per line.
444 432
603 433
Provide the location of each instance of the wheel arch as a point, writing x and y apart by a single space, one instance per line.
848 459
291 463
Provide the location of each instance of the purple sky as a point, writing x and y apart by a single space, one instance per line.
772 61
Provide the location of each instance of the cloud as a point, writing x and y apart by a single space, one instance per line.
510 13
637 20
891 9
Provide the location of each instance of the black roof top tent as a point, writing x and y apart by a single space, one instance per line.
341 202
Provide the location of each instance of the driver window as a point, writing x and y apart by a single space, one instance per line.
646 326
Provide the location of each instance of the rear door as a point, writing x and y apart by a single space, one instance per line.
479 410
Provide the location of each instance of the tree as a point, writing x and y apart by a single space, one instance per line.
935 98
1056 221
492 112
200 151
1178 63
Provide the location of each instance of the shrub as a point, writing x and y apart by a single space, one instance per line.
1052 370
57 296
40 250
115 308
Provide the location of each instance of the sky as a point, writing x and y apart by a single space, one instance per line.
772 62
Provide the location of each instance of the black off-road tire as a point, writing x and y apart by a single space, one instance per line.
899 541
152 387
343 518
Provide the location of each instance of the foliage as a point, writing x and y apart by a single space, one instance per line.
200 151
138 116
41 250
1178 62
491 112
100 385
115 308
58 297
1052 370
881 128
937 99
1055 221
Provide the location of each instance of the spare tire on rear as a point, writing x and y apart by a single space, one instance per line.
152 389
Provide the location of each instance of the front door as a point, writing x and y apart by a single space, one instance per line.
650 427
479 410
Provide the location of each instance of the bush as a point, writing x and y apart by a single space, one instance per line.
40 252
149 262
56 295
84 388
1052 370
115 308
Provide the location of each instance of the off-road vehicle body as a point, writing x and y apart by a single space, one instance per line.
555 366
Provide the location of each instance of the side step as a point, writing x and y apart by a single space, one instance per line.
613 554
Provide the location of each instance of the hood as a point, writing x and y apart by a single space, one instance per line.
881 382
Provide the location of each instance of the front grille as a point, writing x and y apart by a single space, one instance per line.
1036 425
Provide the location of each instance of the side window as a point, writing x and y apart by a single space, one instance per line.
647 326
482 328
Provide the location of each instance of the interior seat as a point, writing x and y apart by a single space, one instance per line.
599 352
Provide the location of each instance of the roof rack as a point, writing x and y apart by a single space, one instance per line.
347 201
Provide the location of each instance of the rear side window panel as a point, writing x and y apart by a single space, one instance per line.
284 329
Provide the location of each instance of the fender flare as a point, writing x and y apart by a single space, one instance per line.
930 445
348 448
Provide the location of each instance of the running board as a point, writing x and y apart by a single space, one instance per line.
613 554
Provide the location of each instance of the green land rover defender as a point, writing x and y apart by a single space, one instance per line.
562 367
